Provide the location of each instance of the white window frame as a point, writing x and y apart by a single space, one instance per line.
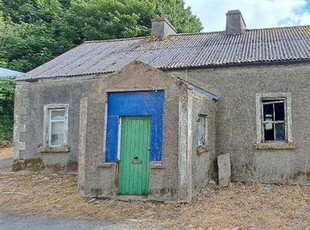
259 115
47 123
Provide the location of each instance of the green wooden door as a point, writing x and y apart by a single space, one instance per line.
134 172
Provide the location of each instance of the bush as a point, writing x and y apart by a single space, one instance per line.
7 88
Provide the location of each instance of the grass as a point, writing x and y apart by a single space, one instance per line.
242 206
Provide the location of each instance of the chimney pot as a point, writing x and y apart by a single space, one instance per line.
234 22
162 27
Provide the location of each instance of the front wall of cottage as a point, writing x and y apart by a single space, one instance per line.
173 174
236 123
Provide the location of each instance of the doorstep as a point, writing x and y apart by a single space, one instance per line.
131 198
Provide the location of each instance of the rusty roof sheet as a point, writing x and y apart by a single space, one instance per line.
181 51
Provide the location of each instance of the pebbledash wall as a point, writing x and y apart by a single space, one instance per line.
235 129
180 173
237 126
172 177
29 128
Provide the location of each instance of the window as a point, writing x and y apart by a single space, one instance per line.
56 125
202 130
273 117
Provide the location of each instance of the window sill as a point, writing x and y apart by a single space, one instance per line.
275 146
202 149
54 149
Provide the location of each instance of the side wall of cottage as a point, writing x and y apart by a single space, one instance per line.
203 156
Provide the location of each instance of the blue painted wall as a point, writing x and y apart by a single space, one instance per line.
135 104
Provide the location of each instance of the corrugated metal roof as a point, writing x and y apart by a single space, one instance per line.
182 51
9 73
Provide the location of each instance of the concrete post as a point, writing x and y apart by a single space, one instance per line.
224 169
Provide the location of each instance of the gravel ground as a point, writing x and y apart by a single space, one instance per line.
6 159
6 152
241 206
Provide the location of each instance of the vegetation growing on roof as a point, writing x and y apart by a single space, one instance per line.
33 32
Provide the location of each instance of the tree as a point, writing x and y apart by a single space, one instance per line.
31 35
35 31
106 19
183 19
2 31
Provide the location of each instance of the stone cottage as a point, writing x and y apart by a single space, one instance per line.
149 115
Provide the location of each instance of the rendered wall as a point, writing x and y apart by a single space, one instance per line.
30 99
235 122
203 157
169 178
236 132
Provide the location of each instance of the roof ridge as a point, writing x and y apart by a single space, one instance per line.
115 39
278 28
194 33
222 31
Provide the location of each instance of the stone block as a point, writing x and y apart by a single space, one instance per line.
224 169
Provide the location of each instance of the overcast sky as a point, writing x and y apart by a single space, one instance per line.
256 13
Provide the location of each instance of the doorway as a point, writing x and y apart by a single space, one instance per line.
134 155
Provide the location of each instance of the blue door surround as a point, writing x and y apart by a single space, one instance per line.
139 103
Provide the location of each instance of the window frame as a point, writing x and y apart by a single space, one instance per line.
273 122
47 124
260 119
204 118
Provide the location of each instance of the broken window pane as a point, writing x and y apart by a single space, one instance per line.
268 112
279 111
269 132
273 123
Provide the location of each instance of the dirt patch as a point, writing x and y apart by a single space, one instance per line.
6 152
5 144
242 206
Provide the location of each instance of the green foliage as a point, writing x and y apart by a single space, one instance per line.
35 31
7 87
181 18
31 36
104 19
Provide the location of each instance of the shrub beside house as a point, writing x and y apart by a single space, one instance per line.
7 87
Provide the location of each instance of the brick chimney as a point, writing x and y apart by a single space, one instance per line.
234 22
162 27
